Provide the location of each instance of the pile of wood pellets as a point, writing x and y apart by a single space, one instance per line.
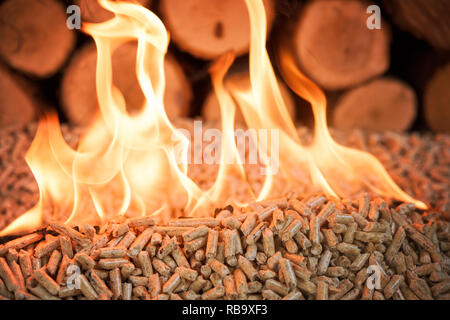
292 248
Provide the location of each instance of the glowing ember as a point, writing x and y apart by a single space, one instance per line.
138 164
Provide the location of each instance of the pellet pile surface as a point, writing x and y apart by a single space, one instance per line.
294 248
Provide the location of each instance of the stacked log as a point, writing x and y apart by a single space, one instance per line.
78 91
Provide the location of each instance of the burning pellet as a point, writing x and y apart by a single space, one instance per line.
230 248
195 244
140 242
393 285
247 267
160 267
270 295
8 276
211 244
364 203
395 245
300 207
326 212
291 230
214 293
140 222
66 246
219 267
145 263
360 220
53 262
76 236
255 234
198 232
249 224
47 282
44 248
109 264
127 240
322 290
112 252
359 262
288 273
25 263
167 247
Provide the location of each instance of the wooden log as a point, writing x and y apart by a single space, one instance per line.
380 105
17 106
79 96
425 19
437 100
35 38
208 28
211 109
91 11
334 46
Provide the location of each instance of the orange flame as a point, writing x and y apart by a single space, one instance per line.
137 164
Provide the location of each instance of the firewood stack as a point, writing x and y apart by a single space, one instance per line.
360 69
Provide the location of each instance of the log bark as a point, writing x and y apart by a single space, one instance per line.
208 28
384 104
211 108
91 11
334 46
78 91
35 38
437 101
17 106
425 19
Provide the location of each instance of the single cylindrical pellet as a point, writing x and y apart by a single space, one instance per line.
247 267
45 247
219 267
99 285
85 261
127 291
109 264
288 273
145 263
25 263
53 262
187 273
140 242
270 295
154 285
195 233
349 235
324 262
214 293
172 283
322 290
112 252
62 271
116 283
211 245
249 224
47 282
160 267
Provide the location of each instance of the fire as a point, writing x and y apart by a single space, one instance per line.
138 164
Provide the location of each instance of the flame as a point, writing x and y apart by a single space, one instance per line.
137 165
